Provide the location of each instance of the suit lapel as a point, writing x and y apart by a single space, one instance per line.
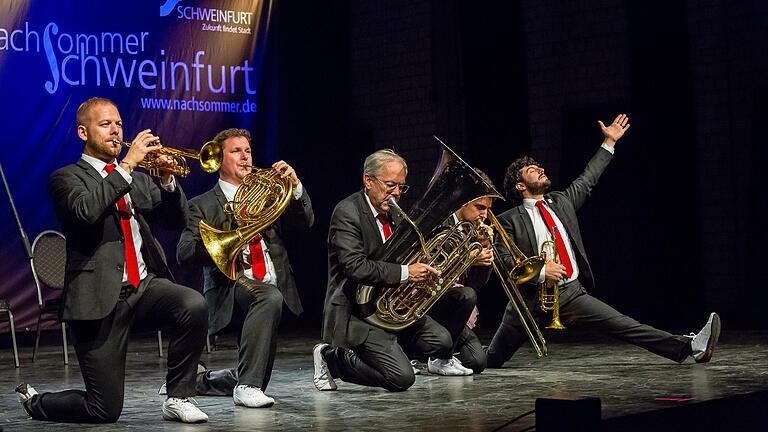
369 226
90 170
222 200
525 220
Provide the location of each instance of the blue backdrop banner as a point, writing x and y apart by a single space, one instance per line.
183 68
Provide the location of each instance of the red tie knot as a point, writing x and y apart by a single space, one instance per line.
109 168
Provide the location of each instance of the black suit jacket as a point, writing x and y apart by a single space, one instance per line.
353 237
219 295
518 225
85 204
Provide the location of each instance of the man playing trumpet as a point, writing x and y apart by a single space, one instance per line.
535 221
266 282
116 275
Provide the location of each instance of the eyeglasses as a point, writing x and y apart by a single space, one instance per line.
391 186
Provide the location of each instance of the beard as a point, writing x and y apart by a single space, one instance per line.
539 187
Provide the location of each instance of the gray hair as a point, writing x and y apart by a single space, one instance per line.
374 163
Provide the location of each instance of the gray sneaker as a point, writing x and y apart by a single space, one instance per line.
703 342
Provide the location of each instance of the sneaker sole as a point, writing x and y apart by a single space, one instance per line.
176 419
712 342
264 405
715 336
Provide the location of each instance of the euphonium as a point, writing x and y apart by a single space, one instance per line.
509 280
450 251
210 156
549 292
260 199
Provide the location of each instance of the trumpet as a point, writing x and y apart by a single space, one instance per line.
209 155
525 269
549 292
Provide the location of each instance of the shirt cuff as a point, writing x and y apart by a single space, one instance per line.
171 186
298 191
611 149
403 273
124 173
543 274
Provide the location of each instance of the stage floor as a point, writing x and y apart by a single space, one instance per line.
628 380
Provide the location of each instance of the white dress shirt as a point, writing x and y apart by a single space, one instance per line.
403 268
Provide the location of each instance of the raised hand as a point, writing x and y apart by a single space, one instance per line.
615 130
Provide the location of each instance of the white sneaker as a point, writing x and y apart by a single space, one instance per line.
703 343
322 379
24 394
183 410
448 367
251 397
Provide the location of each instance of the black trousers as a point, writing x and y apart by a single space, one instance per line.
470 351
262 306
453 309
101 347
452 312
383 359
579 310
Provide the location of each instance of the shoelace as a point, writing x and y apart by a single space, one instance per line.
188 400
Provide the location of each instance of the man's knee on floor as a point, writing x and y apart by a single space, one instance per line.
105 411
477 363
397 382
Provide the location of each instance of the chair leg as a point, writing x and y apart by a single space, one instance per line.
64 342
37 337
13 339
208 343
159 343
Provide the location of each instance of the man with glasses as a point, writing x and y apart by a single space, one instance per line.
358 352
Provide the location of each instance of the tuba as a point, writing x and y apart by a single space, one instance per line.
209 155
450 250
525 269
549 292
260 199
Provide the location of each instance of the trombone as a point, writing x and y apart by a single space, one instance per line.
209 155
525 269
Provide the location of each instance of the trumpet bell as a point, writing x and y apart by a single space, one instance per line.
211 155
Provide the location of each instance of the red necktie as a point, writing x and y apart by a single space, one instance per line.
384 219
258 266
565 260
131 262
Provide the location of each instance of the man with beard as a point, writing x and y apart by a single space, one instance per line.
534 221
